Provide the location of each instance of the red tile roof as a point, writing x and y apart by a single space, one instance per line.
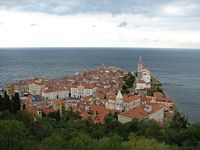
139 112
166 100
57 102
47 110
130 98
100 109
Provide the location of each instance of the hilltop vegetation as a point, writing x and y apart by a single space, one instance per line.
20 131
156 86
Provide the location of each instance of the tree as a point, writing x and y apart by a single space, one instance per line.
111 143
43 128
82 142
54 142
67 115
191 137
129 79
6 102
13 135
25 117
16 103
111 123
55 115
179 121
1 101
141 143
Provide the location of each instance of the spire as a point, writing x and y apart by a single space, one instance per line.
140 61
119 95
140 67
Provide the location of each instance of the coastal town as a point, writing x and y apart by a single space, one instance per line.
95 93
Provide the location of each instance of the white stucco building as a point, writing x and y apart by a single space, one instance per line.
54 93
153 111
35 87
82 91
124 102
144 77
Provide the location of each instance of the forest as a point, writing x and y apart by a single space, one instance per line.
20 130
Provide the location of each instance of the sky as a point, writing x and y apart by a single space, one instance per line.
100 23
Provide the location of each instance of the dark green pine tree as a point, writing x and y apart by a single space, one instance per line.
7 102
1 102
16 103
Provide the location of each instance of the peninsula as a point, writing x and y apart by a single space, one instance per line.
96 93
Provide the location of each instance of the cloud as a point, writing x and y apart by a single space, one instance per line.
1 23
150 8
123 24
181 9
153 23
79 30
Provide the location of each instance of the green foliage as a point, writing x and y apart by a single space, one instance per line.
82 142
15 102
12 135
25 117
129 79
179 121
1 101
111 123
12 105
54 142
71 115
20 131
111 143
54 115
43 127
6 103
141 143
156 86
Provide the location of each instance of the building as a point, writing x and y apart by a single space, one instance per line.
121 102
131 101
19 87
143 80
119 105
53 93
153 111
82 90
58 105
35 87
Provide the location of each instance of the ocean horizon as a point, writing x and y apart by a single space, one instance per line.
177 69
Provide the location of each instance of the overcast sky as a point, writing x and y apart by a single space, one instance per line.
100 23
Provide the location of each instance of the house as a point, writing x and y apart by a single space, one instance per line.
158 95
121 102
153 111
111 100
131 101
165 101
19 87
99 113
35 87
82 90
53 93
143 79
58 105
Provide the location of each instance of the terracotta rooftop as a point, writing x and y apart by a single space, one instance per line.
100 109
57 102
130 98
167 100
139 112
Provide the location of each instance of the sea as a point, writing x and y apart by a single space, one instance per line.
177 69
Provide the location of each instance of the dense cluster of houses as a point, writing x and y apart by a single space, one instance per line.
94 93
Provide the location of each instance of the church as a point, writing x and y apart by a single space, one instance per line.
124 102
143 79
